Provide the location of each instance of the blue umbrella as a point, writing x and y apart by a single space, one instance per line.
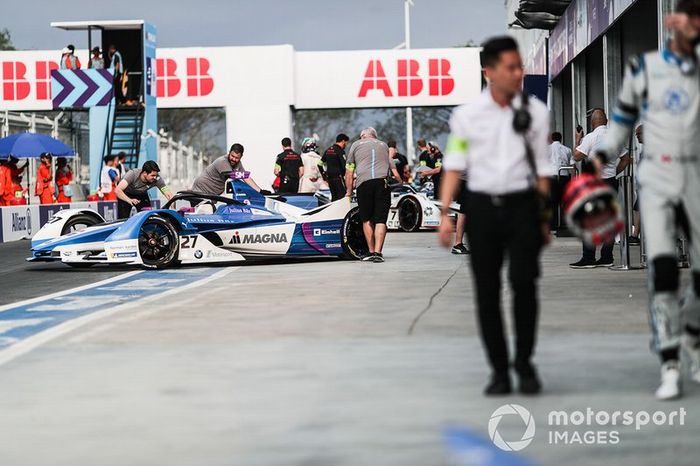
25 145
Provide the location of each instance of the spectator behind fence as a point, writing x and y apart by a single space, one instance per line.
119 164
96 61
585 151
368 160
44 180
13 190
132 190
116 61
109 178
69 61
64 177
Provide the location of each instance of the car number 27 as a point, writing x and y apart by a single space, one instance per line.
188 241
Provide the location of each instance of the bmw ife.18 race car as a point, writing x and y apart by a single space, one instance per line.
218 229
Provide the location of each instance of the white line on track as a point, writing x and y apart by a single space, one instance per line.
28 344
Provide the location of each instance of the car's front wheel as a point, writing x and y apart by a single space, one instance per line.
158 242
410 214
78 223
353 238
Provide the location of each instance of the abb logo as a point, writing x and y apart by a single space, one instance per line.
16 85
169 84
409 82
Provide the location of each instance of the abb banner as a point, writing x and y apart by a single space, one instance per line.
273 75
386 78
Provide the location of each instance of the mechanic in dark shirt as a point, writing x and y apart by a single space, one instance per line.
400 160
332 166
430 157
289 167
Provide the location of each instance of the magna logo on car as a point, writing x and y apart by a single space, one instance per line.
265 238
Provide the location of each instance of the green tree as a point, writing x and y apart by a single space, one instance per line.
5 40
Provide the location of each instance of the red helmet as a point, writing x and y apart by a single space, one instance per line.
591 210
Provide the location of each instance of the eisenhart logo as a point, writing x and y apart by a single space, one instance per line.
507 410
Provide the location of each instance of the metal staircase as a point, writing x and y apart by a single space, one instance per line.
127 126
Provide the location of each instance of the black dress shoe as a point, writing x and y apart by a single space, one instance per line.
499 385
529 382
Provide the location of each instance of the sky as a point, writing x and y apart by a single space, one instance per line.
305 24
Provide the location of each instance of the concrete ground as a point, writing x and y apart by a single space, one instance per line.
337 363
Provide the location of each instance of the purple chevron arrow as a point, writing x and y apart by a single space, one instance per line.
91 88
107 98
65 92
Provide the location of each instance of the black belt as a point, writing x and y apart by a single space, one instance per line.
498 200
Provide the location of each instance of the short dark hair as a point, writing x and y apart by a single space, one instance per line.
108 158
421 142
342 137
689 7
391 143
286 142
556 136
121 155
237 148
149 166
492 49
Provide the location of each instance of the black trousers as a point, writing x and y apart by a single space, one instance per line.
606 250
499 227
288 185
337 186
124 209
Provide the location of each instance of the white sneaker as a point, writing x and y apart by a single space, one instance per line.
670 387
691 345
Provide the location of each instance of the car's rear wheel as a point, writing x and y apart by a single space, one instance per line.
158 242
78 223
353 238
410 214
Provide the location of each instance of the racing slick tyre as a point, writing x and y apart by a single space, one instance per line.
410 214
353 238
78 223
158 243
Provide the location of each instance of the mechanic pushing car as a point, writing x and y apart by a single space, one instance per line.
368 160
132 190
213 179
662 88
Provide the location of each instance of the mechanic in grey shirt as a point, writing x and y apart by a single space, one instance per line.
132 190
213 179
368 160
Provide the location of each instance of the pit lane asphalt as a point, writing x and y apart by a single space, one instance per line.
21 280
336 363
